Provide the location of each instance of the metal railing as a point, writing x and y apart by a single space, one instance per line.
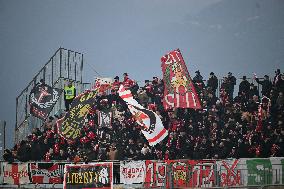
63 65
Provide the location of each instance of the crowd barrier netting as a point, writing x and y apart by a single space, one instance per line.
160 173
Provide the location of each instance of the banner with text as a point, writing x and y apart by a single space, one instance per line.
180 173
95 175
132 172
179 89
44 173
70 126
16 173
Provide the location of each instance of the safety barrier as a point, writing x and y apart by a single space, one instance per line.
63 65
161 174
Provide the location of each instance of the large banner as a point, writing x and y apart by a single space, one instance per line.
42 99
16 173
230 173
180 173
151 124
44 173
70 126
95 175
179 89
104 119
132 172
153 174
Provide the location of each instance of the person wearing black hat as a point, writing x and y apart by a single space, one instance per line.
212 83
116 84
244 86
231 84
278 81
198 81
266 85
197 77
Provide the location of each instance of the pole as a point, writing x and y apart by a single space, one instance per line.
68 64
81 69
52 71
60 62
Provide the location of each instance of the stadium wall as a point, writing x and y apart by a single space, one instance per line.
160 174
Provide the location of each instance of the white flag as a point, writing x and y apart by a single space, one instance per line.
151 124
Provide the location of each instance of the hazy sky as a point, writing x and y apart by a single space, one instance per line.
131 35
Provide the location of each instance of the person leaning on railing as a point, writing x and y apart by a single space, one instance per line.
266 85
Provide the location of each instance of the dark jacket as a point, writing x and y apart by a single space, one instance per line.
244 86
266 86
212 83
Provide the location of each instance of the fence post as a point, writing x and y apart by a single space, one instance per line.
60 62
81 67
52 71
68 64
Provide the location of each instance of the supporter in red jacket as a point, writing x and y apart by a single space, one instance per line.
127 82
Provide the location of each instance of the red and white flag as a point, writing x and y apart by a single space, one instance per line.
179 89
45 173
16 173
103 84
150 122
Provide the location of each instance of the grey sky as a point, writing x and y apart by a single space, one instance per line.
131 35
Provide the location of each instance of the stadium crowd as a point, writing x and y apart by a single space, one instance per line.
245 126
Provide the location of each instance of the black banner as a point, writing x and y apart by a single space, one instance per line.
42 99
98 175
70 126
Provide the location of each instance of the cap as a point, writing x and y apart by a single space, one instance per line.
230 73
197 71
116 77
211 73
126 74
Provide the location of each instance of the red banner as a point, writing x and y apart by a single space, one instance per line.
179 89
15 173
230 175
180 173
43 173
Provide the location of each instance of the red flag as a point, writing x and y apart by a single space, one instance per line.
179 89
